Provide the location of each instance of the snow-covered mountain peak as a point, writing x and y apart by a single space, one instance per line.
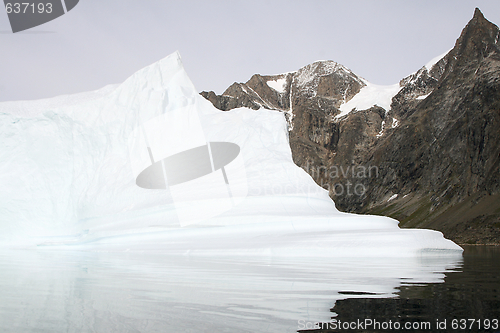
308 74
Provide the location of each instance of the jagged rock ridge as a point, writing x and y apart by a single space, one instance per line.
431 159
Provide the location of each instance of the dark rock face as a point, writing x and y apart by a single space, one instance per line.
431 161
446 152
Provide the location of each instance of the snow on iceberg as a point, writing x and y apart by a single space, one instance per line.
95 172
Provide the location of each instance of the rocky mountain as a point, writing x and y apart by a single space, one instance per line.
425 151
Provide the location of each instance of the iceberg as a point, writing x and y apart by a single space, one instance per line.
151 166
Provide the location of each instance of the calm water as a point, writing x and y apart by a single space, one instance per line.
468 300
43 291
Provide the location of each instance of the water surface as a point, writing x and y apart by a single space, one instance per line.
49 291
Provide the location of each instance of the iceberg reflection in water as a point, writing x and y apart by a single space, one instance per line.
49 291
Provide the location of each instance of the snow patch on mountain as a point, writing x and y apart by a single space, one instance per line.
382 127
279 85
394 196
289 112
370 95
395 123
423 96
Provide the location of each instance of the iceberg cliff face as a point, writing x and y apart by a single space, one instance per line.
71 168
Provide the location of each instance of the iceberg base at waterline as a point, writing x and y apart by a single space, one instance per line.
151 166
310 238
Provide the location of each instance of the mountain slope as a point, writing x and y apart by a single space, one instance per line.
453 137
429 158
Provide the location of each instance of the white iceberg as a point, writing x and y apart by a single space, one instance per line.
69 171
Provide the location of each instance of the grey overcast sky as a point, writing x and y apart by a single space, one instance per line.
103 42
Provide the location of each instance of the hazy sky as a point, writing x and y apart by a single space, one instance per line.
102 42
